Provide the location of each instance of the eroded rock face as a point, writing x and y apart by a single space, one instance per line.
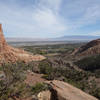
90 48
64 91
3 43
45 95
10 54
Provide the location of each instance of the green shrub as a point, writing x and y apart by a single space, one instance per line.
45 68
95 92
39 87
1 68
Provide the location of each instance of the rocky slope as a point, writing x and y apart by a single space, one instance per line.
63 91
90 48
11 54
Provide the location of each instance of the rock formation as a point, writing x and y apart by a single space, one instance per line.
11 54
3 43
64 91
90 48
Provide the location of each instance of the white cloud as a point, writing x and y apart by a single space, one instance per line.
54 5
48 17
81 13
91 16
95 33
42 20
47 21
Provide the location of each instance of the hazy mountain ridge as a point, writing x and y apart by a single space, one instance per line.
63 38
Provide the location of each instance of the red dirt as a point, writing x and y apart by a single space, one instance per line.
34 78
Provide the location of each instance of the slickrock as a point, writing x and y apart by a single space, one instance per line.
64 91
11 54
90 48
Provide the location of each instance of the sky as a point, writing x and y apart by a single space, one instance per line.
49 18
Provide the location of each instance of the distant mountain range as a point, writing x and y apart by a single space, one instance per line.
77 38
64 38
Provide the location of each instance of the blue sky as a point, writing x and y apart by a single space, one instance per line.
50 18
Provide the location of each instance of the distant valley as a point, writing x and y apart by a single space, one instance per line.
63 38
50 41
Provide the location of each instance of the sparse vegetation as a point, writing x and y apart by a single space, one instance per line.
39 87
58 65
13 85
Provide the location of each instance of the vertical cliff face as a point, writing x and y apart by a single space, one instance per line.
3 42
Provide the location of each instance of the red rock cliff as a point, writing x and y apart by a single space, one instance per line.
11 54
3 43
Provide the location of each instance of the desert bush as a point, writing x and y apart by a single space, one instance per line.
13 85
39 87
45 67
95 92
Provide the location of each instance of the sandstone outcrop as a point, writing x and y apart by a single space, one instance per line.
64 91
11 54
